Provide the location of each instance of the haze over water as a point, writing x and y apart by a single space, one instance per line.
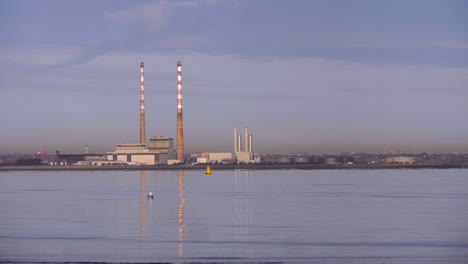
316 216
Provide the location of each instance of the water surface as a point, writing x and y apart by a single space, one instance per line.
309 216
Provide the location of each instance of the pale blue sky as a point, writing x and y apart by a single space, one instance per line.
303 75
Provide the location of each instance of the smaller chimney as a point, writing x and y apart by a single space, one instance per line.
235 140
246 139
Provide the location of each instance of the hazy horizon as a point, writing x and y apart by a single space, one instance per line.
266 148
304 76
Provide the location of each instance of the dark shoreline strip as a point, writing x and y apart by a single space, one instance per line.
243 167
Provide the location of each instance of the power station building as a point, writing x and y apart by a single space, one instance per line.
159 152
244 152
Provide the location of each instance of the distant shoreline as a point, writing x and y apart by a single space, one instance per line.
239 167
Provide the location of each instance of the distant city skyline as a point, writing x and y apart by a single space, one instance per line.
304 76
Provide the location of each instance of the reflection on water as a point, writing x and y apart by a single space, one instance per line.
326 216
243 204
243 219
146 212
180 212
143 222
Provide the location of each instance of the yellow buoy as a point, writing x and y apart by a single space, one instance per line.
208 170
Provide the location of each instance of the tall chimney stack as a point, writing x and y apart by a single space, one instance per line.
250 143
235 140
142 105
180 122
246 139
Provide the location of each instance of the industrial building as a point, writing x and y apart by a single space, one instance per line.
219 157
202 160
136 153
70 159
401 160
199 157
161 150
244 152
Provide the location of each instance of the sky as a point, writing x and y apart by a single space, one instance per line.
304 76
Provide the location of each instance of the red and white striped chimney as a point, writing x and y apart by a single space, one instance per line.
179 87
180 122
142 105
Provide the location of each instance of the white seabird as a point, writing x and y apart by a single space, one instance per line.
150 196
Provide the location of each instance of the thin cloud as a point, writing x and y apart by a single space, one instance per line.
186 3
453 45
38 55
141 22
152 15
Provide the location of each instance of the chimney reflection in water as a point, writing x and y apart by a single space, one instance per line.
180 212
243 204
143 211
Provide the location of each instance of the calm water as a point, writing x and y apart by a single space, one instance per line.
322 216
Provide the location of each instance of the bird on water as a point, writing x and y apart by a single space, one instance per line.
150 196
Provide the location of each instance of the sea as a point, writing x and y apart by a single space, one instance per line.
235 216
